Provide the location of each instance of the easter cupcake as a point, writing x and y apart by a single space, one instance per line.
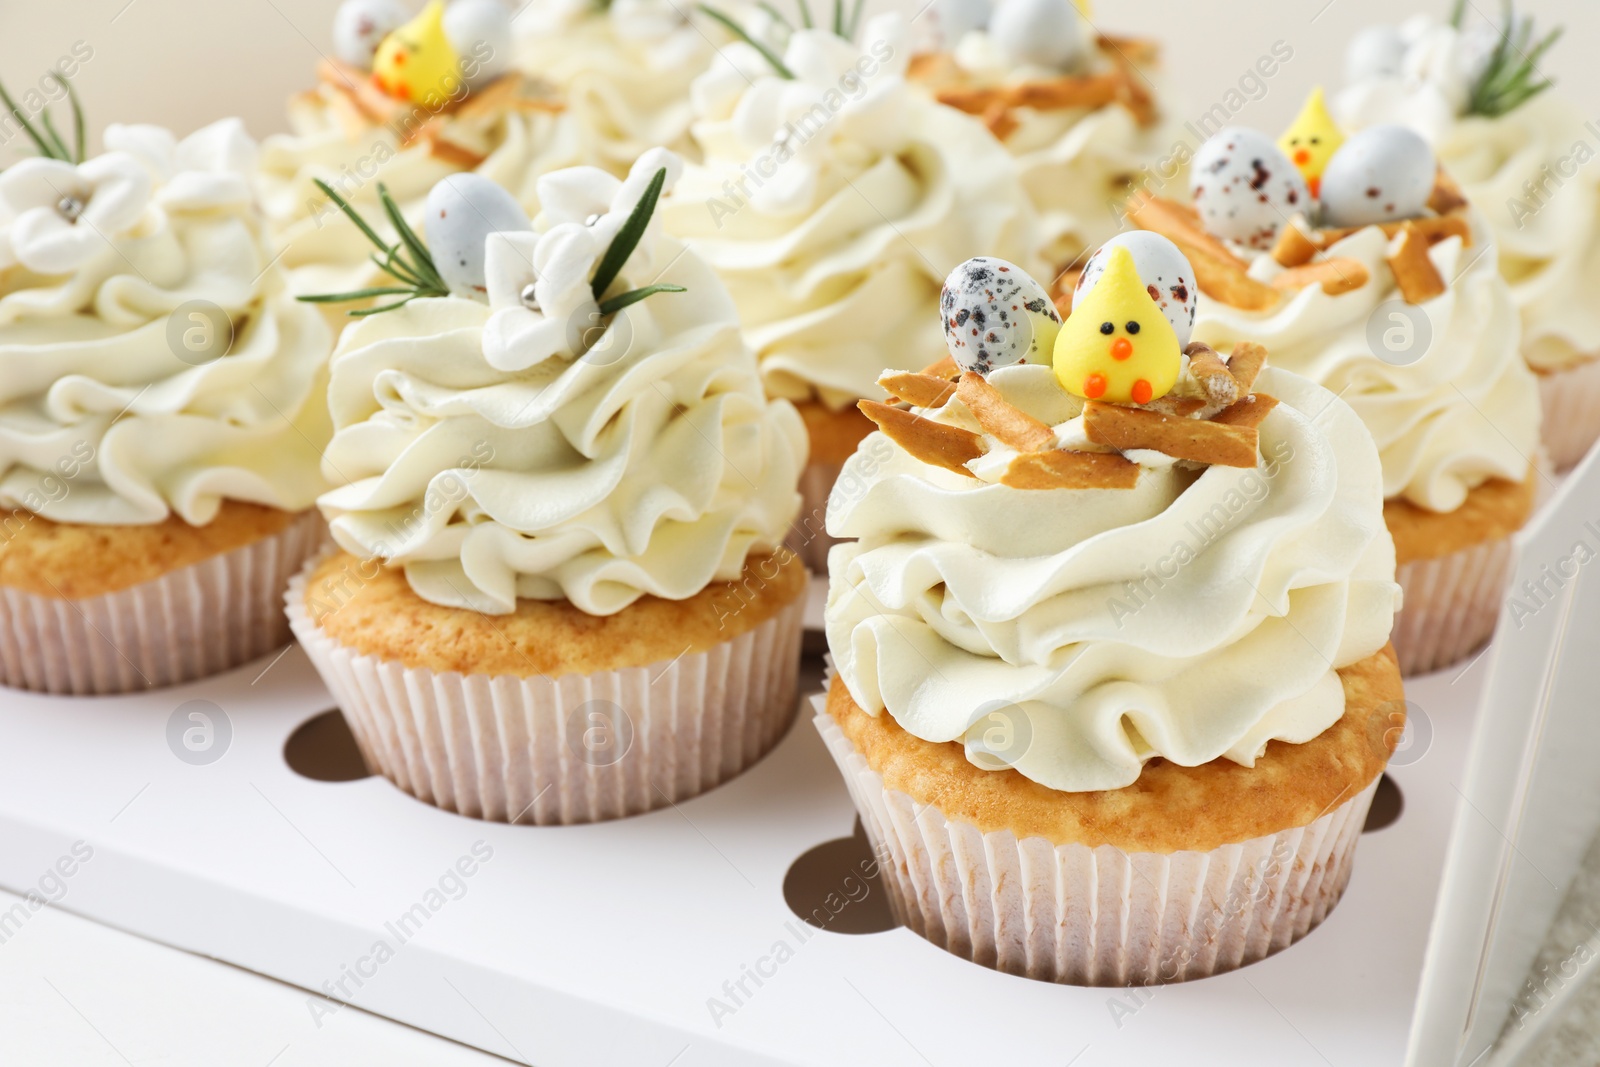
1080 111
404 101
1113 687
1399 308
832 201
560 594
162 413
1521 155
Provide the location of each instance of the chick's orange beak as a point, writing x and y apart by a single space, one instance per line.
1121 348
1302 156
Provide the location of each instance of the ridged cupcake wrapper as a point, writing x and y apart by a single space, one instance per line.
1571 419
193 622
1097 916
808 537
1451 605
575 749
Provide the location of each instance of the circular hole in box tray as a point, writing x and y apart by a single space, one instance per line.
1387 805
834 886
323 749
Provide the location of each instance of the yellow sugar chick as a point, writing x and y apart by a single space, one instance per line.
1116 345
417 61
1312 139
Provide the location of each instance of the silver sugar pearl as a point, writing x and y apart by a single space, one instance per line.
70 207
530 299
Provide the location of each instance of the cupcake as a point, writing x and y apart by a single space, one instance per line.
1399 308
1519 153
623 67
833 200
560 594
162 414
1113 691
404 101
1079 110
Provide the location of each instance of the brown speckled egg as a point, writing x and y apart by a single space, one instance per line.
1163 268
1245 188
1382 174
996 315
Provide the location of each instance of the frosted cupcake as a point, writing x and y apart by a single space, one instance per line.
1080 111
404 101
832 201
1400 309
624 68
1520 154
560 595
162 414
1155 631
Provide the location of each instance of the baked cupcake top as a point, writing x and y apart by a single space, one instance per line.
833 199
1383 286
1521 154
1096 583
560 427
408 97
1080 110
151 362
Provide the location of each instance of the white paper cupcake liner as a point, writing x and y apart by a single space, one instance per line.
1571 417
1097 916
575 749
1451 605
808 536
193 622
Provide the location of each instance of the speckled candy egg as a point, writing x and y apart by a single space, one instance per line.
462 211
1375 52
1167 275
480 32
1382 174
1245 188
1039 33
996 315
359 26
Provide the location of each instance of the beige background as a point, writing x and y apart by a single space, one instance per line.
182 63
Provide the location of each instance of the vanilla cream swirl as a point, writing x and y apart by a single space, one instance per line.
1451 405
121 401
835 203
505 450
1077 163
1532 172
323 251
1196 616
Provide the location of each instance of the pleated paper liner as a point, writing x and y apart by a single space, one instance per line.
193 622
1097 916
573 749
1451 605
1571 419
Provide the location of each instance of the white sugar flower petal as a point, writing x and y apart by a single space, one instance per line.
119 190
39 183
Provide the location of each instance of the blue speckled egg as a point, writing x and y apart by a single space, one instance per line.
462 211
1164 269
996 315
1382 174
1245 188
1040 33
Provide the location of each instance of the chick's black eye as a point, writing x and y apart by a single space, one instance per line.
1316 140
1133 327
1108 327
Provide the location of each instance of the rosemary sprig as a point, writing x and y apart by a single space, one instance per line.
777 16
1512 77
49 142
627 239
418 275
739 31
633 296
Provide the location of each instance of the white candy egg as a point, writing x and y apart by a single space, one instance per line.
1375 52
952 20
1245 188
1039 33
1381 174
462 211
480 32
996 315
1164 269
360 25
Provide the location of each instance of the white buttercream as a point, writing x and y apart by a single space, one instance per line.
1196 616
107 415
497 451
